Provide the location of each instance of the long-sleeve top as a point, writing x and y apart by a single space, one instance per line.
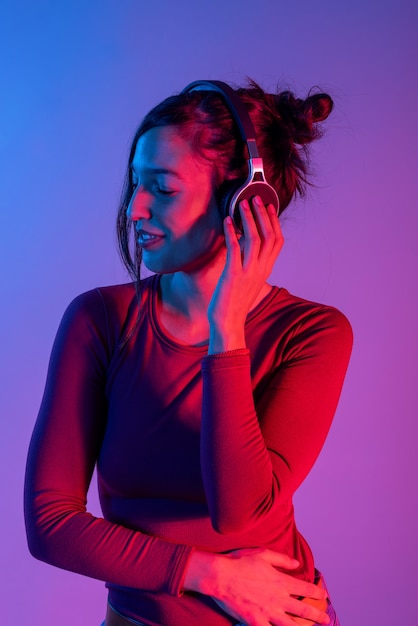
193 451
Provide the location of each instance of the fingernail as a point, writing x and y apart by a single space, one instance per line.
257 200
245 204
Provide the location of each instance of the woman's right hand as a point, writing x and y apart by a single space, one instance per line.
247 585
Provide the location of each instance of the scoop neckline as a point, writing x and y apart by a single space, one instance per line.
169 340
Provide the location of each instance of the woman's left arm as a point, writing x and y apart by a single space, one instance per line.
255 457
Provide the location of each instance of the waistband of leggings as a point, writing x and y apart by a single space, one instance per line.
113 618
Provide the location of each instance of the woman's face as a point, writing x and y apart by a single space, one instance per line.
173 206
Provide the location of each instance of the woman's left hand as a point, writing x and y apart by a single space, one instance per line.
249 262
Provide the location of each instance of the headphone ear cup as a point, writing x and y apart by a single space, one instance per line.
225 194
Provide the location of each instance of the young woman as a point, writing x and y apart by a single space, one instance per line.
202 393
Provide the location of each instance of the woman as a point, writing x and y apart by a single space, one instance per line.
202 393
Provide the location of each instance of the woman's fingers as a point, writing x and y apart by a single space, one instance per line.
275 224
277 559
251 586
233 249
250 242
307 612
297 587
256 616
261 239
262 236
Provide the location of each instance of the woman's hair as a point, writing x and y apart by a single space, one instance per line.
285 126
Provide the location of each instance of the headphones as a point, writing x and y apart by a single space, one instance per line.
255 184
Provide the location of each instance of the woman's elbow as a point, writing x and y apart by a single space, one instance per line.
35 539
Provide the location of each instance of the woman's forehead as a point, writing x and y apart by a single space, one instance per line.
165 150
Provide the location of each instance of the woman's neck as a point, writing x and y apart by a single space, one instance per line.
188 295
183 304
184 300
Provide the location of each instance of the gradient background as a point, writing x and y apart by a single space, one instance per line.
76 77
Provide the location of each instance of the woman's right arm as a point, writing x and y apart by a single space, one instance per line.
62 454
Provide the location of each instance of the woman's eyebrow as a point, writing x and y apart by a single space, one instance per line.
156 170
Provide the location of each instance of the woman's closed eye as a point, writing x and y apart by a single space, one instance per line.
155 188
163 191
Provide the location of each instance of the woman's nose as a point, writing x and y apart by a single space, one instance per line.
139 206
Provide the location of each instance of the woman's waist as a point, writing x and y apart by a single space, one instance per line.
189 523
155 609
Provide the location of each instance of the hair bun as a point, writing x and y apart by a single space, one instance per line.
321 105
300 116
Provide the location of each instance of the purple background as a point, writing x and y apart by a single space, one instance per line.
76 77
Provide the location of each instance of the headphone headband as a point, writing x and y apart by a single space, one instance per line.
236 107
256 183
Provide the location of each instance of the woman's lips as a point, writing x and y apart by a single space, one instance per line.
148 239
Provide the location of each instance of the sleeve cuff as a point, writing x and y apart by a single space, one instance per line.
239 352
175 587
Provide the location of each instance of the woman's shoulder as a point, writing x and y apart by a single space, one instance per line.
302 308
289 328
105 311
290 315
99 319
99 301
111 299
